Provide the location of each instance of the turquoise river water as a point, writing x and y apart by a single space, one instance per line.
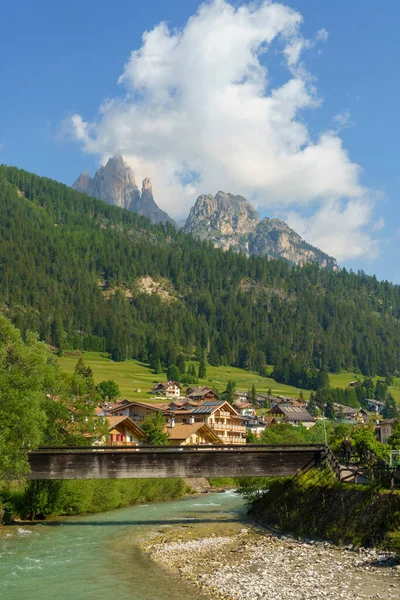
97 557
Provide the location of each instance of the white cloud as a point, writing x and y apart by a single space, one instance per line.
338 228
199 101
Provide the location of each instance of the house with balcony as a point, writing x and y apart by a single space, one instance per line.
122 431
192 433
169 389
201 394
376 406
293 415
136 411
218 415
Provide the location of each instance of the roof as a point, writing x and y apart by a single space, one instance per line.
166 384
182 431
388 422
198 391
136 403
294 413
377 402
116 420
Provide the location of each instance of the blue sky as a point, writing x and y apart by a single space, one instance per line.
64 59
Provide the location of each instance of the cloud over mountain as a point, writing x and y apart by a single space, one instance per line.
200 113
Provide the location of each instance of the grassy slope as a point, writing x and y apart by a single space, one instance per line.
132 374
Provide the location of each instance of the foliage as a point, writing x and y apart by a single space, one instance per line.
40 499
173 373
108 390
26 374
153 427
314 505
203 365
230 391
394 440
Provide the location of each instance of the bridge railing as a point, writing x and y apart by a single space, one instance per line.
188 448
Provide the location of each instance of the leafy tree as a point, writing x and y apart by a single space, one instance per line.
173 373
153 427
158 367
108 390
26 374
394 440
251 438
390 410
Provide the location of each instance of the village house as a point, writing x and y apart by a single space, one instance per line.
219 415
192 433
375 406
137 411
386 429
245 409
200 394
122 431
293 415
169 389
256 424
348 413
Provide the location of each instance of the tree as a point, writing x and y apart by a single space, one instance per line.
230 391
173 373
180 363
108 390
82 369
323 379
158 367
27 373
394 440
251 438
390 410
153 427
203 365
312 405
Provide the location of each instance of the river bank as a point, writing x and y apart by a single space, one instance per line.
255 564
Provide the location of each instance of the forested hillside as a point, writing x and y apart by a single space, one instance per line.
73 268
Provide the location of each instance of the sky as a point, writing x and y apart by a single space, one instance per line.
292 104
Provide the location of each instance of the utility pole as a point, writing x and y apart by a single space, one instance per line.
323 417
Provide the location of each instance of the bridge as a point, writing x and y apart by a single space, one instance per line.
112 462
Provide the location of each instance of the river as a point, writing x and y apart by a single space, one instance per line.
98 556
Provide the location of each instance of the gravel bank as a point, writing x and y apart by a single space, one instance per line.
257 565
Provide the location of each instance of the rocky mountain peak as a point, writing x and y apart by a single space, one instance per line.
115 183
223 217
146 185
231 222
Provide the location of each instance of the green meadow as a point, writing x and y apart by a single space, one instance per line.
135 379
132 376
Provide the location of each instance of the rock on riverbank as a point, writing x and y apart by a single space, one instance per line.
255 565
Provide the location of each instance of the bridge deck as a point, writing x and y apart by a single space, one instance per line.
109 462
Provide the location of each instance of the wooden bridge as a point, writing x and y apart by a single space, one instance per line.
111 462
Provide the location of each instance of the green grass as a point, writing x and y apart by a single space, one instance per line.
131 375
